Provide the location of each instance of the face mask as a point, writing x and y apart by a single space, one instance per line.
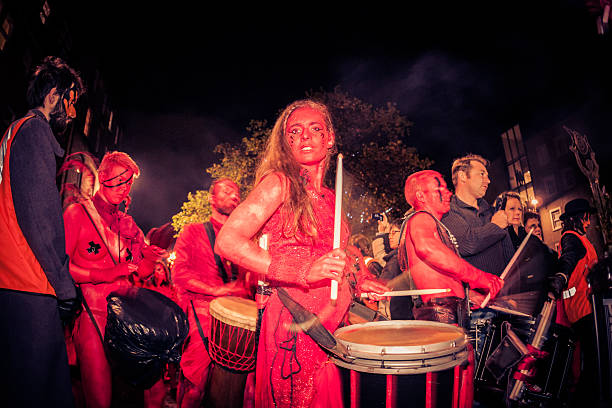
59 118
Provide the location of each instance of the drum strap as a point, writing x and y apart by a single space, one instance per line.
100 235
93 320
200 330
449 240
87 309
210 231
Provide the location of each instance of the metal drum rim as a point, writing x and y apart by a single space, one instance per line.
372 368
404 352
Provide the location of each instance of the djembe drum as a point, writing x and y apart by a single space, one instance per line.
409 361
232 347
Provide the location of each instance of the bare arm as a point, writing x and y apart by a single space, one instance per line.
429 248
235 240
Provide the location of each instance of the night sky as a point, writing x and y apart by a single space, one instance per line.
186 77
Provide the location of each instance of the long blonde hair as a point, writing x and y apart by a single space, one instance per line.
297 211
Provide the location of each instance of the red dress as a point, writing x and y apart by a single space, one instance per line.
292 370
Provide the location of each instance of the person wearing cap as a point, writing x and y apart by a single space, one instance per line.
576 256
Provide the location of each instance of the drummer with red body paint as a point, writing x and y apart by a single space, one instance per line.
295 210
105 247
429 251
201 276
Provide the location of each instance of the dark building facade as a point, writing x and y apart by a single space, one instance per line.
31 30
542 168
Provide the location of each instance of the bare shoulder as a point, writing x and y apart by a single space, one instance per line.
74 210
421 220
272 187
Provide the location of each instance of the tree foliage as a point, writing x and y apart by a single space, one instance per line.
372 140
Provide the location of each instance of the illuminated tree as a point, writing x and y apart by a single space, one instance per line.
377 160
238 163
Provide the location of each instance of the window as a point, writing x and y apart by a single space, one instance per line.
87 122
44 13
527 177
5 32
555 213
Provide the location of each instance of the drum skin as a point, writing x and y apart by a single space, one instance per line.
402 347
232 333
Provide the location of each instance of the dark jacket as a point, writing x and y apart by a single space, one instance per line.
481 243
37 201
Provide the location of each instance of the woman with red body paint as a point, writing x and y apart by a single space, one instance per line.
105 247
290 204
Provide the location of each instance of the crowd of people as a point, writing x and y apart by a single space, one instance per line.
56 262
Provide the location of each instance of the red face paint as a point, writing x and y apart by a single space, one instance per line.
437 195
116 187
226 197
307 136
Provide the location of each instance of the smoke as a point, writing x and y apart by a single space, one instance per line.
452 102
173 150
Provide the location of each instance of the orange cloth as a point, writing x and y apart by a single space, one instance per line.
578 306
19 269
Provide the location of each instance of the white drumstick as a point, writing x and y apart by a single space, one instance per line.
509 311
413 292
337 221
510 264
263 244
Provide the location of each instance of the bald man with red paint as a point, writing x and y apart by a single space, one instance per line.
429 251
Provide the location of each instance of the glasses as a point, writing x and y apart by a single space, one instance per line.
394 232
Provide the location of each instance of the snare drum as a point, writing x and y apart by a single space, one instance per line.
232 347
402 362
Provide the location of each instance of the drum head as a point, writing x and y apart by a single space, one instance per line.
402 346
235 311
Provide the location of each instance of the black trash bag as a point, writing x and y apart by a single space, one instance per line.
145 330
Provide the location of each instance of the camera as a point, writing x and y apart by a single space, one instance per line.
377 216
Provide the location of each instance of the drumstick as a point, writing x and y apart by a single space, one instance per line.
413 292
337 221
510 264
509 311
263 244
